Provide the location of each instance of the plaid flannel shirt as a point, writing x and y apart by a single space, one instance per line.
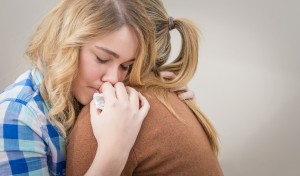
29 143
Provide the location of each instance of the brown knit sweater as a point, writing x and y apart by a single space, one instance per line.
164 146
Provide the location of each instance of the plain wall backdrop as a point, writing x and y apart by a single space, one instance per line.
247 81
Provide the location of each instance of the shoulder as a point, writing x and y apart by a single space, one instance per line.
24 91
25 131
21 105
165 103
171 137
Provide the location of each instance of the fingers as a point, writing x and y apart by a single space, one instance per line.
138 101
125 96
167 75
109 92
121 92
145 106
187 95
184 93
181 89
112 93
133 97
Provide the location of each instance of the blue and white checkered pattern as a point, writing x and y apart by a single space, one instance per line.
29 143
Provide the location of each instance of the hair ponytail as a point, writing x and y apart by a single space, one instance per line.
184 65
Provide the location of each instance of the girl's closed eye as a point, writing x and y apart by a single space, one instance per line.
102 61
126 67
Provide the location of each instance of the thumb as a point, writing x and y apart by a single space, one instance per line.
167 75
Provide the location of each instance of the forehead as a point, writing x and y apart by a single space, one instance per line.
123 42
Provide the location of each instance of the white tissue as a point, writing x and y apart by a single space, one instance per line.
98 100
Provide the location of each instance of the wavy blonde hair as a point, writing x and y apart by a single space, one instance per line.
54 47
184 66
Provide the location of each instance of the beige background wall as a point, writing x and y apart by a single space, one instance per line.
247 81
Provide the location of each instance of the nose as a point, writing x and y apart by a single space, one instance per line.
111 76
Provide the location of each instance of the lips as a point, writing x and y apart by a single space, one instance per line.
95 89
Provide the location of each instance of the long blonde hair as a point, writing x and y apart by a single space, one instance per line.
54 47
184 66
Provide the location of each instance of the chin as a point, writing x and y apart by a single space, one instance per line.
86 99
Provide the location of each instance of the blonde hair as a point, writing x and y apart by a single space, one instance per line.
184 66
54 47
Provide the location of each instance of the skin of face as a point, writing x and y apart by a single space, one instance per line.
105 59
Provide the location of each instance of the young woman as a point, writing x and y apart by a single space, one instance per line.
175 138
80 47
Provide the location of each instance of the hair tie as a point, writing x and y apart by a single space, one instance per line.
171 23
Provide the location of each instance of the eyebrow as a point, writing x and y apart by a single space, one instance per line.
107 51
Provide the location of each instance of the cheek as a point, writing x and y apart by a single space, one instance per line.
88 70
89 74
82 86
122 76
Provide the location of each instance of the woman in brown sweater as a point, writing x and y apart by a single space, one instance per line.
175 138
165 145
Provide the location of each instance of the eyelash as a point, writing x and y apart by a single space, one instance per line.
102 61
125 68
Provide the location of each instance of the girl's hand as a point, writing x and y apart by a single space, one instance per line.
118 124
184 92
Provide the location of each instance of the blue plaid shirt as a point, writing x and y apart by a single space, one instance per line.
29 143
